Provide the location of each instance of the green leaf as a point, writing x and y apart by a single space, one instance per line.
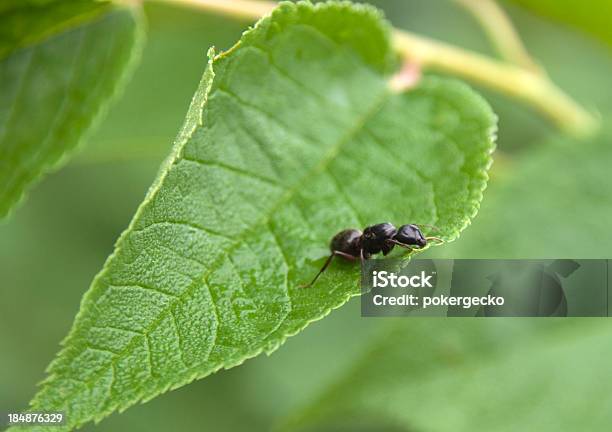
292 135
465 375
592 17
60 64
548 202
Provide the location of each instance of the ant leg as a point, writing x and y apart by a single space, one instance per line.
362 258
327 263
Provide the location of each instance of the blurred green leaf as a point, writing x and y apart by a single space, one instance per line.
60 64
29 22
553 201
468 375
292 135
592 17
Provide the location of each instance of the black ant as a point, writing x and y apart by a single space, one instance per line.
352 243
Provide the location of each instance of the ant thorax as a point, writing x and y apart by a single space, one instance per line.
376 238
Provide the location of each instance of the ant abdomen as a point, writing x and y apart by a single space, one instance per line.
347 241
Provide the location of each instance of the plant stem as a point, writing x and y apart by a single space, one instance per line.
522 83
241 9
532 88
500 30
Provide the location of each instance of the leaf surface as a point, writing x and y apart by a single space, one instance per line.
60 64
292 135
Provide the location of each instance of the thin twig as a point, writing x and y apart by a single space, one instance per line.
241 9
532 88
500 30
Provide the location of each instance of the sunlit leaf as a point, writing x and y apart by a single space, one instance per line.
292 135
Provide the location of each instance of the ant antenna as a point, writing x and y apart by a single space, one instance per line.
400 244
438 239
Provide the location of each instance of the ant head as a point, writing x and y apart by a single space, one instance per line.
411 235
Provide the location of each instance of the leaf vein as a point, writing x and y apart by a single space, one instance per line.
140 286
234 169
187 224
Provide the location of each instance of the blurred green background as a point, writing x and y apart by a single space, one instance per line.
549 197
